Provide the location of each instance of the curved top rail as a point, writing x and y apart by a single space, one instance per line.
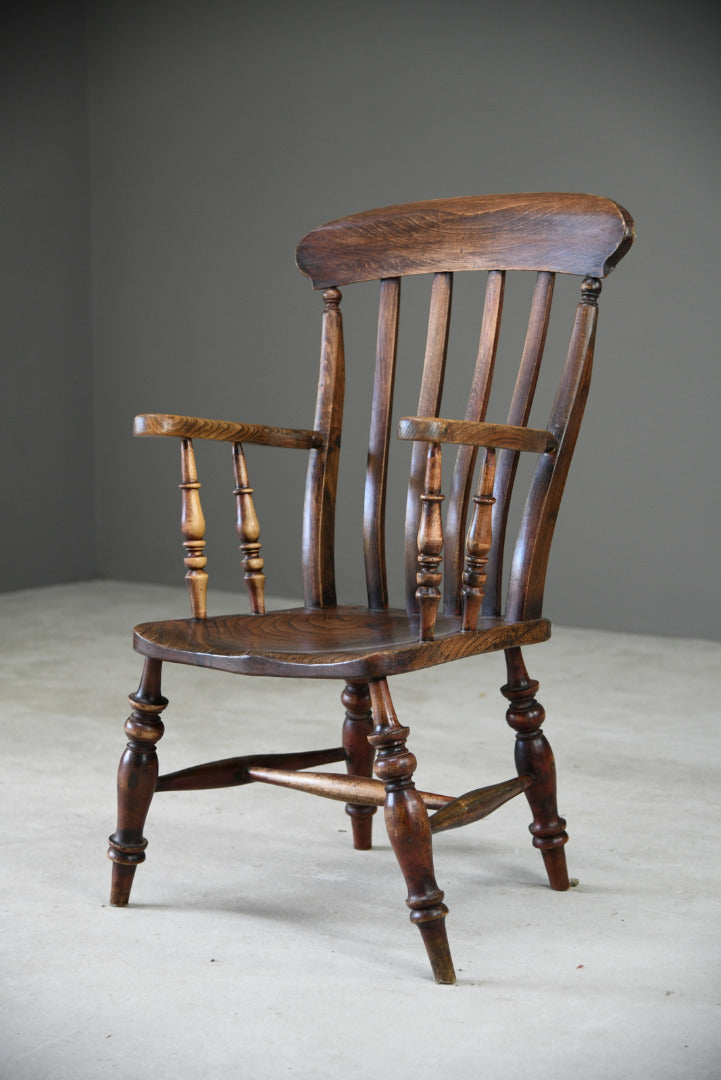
565 233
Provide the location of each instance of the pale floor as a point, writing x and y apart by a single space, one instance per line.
259 944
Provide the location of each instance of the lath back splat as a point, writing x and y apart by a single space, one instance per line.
547 233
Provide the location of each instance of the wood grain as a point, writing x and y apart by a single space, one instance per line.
436 429
478 398
566 233
340 642
518 414
322 481
429 403
374 505
194 427
362 646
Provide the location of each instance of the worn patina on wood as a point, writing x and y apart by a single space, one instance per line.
470 588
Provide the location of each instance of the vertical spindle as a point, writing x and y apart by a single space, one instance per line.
192 526
478 543
430 544
248 530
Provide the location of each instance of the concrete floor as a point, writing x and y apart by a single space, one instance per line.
259 944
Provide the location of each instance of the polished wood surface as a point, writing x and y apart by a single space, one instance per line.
571 234
478 398
501 436
192 526
342 642
194 427
458 546
248 528
479 542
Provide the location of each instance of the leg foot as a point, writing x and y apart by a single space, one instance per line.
357 726
409 831
535 757
121 881
137 777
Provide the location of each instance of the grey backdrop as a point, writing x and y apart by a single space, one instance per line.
162 160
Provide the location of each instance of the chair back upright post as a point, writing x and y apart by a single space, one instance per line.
322 479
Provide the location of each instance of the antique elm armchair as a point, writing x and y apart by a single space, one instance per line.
481 612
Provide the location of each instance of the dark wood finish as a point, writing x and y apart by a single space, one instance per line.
366 793
530 557
518 415
409 830
357 726
233 772
475 805
194 427
478 543
137 778
192 526
430 545
534 757
363 646
374 507
248 530
332 643
435 429
466 458
284 770
429 403
571 234
320 492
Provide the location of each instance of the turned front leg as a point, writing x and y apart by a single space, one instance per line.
137 779
357 726
409 830
535 757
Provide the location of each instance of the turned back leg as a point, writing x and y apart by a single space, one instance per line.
357 726
535 757
137 778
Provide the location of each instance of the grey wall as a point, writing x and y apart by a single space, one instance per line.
46 434
221 132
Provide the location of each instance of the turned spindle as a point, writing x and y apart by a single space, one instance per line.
591 290
248 530
430 544
478 543
192 526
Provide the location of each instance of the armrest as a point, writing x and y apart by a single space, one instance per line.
502 436
193 427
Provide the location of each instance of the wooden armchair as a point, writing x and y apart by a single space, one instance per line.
546 233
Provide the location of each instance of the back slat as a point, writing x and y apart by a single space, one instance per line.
429 403
530 556
374 509
518 414
466 458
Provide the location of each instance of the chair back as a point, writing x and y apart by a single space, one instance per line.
548 234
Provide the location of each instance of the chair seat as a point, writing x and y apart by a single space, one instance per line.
340 642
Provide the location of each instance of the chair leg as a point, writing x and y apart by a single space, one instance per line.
535 757
409 830
137 778
357 726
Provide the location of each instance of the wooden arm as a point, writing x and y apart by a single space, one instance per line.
502 436
186 428
193 427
